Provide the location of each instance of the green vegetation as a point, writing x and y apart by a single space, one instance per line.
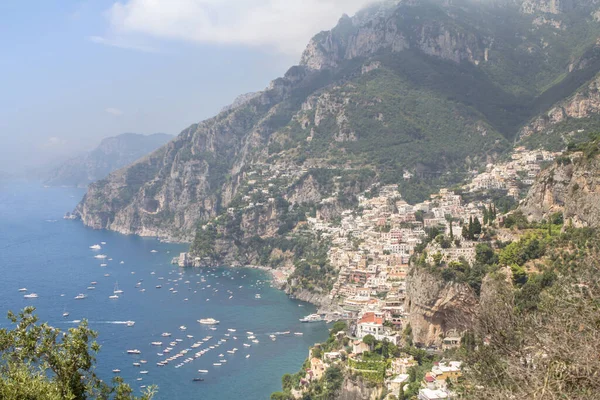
40 362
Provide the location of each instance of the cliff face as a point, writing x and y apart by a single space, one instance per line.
436 307
111 154
357 389
572 188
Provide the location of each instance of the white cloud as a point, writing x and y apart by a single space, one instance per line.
121 44
52 142
114 111
285 25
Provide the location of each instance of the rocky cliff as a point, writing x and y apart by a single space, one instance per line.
435 88
111 154
358 389
436 307
571 187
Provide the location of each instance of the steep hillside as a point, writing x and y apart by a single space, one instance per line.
432 88
570 187
111 154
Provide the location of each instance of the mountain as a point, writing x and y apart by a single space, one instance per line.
111 154
415 93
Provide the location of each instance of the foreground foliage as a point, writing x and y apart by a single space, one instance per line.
40 362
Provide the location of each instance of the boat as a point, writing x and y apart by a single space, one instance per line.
100 256
130 323
95 247
31 296
136 364
80 296
91 288
257 296
153 251
103 265
158 286
116 371
156 343
143 372
298 333
65 314
231 330
134 351
208 321
166 334
217 364
93 283
247 355
182 327
116 290
113 296
102 242
312 318
247 345
198 380
23 290
203 371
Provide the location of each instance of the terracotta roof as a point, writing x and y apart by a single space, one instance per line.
370 318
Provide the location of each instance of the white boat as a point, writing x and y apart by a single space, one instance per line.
116 289
153 251
130 323
113 296
166 334
31 296
247 345
102 242
80 296
136 364
100 256
65 314
116 371
298 333
95 247
208 321
182 327
134 351
158 286
91 288
312 318
156 343
217 364
203 371
247 355
23 290
93 283
231 330
103 265
257 296
143 372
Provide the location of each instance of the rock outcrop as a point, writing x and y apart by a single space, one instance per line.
571 188
358 389
436 307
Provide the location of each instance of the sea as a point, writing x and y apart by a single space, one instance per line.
50 256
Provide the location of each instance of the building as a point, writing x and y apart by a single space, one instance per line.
370 324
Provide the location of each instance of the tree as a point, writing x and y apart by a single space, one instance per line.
486 217
287 382
465 232
476 227
370 340
338 327
39 362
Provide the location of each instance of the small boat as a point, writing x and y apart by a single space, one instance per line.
23 290
93 283
65 314
136 364
143 372
198 380
103 265
166 334
153 251
95 247
312 318
217 364
130 323
100 256
247 355
117 290
31 296
80 296
298 333
116 371
113 296
247 345
102 242
156 343
231 330
182 328
158 286
134 351
208 321
190 336
203 371
257 296
91 288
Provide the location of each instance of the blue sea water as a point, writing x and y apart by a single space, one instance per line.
50 256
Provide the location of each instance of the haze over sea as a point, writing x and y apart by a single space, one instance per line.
50 256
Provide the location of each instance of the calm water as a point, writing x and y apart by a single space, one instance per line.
51 257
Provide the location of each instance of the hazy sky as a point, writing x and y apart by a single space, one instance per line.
73 72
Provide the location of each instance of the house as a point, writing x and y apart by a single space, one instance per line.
430 394
359 347
370 324
317 367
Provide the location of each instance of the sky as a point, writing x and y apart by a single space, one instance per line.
75 71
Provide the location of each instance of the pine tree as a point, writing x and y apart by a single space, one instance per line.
451 233
486 217
465 232
476 227
471 232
